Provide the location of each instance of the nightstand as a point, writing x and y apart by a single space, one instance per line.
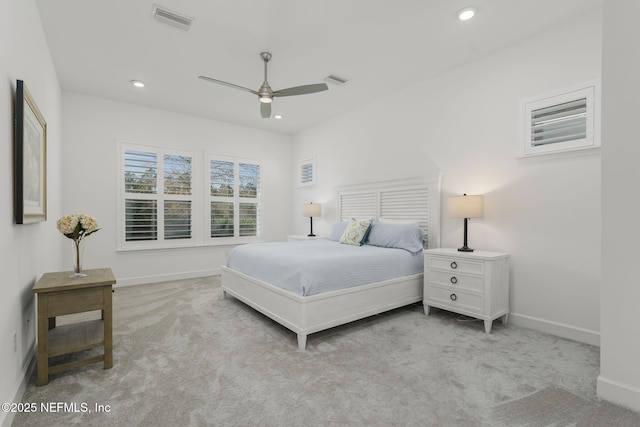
303 237
475 283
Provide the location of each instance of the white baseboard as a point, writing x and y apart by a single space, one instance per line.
140 280
6 418
620 394
554 328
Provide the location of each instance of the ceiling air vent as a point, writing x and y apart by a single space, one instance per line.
167 16
336 80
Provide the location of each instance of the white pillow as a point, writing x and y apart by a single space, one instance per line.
356 232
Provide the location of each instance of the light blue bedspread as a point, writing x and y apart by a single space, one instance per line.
314 266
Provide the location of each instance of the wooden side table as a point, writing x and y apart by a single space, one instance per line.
58 294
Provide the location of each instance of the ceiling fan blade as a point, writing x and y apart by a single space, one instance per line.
265 110
209 79
301 90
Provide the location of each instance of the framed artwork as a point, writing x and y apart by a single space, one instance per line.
30 159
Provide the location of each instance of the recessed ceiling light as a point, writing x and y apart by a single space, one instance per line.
466 13
137 83
277 116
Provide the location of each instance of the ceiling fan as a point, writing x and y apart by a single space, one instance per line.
266 94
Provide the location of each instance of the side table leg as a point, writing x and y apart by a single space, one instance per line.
43 340
107 315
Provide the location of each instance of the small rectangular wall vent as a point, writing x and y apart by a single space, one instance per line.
172 18
336 80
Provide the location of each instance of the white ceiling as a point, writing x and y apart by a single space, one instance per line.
381 46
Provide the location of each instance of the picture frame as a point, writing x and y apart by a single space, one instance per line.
30 159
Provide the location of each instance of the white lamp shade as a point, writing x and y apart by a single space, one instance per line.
466 206
311 210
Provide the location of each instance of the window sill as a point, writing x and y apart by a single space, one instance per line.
147 248
562 154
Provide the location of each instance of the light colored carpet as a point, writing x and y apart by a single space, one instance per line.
184 356
554 406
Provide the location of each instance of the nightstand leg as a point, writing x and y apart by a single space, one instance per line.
426 310
487 326
505 319
302 341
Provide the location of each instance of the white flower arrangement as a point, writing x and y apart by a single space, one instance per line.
77 226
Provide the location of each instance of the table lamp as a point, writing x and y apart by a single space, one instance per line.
311 210
466 207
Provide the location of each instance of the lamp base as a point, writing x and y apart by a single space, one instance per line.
464 247
311 235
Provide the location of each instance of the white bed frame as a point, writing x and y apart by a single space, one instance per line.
411 199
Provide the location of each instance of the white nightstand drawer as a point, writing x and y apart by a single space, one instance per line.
455 280
451 264
455 300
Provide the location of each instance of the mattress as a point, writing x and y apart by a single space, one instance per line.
311 267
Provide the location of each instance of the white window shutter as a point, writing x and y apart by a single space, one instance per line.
564 121
307 173
234 198
559 123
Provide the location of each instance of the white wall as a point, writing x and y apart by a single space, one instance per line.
464 125
619 379
93 128
26 251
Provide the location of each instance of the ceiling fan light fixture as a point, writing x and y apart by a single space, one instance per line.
266 99
466 13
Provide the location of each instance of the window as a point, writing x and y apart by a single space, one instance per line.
307 173
234 198
176 198
561 122
157 197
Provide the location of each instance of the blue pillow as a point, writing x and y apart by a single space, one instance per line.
400 236
337 231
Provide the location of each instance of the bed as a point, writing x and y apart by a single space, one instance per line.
313 300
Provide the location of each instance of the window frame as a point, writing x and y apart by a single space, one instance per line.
159 196
200 197
236 199
590 91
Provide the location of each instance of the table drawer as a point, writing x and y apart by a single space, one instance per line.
455 300
75 301
455 280
458 265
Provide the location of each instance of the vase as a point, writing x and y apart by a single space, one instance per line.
77 266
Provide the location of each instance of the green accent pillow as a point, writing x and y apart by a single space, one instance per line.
356 232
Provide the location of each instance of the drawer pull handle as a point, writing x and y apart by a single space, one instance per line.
453 297
454 265
454 280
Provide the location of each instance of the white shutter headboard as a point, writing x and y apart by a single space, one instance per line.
413 199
